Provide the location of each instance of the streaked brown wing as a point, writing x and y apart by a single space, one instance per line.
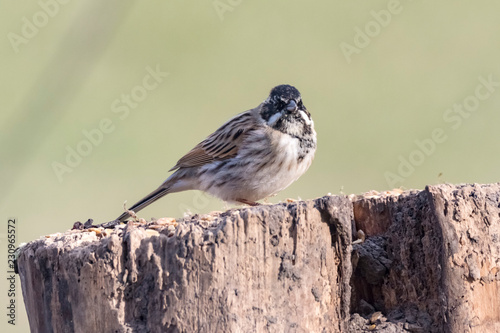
221 144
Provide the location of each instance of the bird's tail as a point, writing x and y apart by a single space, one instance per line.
146 201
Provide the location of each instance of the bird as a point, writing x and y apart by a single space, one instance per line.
252 156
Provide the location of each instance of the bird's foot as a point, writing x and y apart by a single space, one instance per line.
248 202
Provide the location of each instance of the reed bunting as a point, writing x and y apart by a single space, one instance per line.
254 155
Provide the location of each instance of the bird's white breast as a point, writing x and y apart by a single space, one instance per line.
267 162
284 169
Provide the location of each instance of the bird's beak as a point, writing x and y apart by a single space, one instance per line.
291 106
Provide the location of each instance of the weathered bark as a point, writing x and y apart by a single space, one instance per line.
430 263
281 268
431 258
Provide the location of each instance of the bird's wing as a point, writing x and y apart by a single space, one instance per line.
221 144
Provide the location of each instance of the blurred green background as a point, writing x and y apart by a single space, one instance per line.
377 76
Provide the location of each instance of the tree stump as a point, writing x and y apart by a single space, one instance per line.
431 258
281 268
430 263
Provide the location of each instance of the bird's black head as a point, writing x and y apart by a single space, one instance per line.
283 110
284 92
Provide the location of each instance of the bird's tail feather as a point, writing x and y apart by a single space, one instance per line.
146 201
